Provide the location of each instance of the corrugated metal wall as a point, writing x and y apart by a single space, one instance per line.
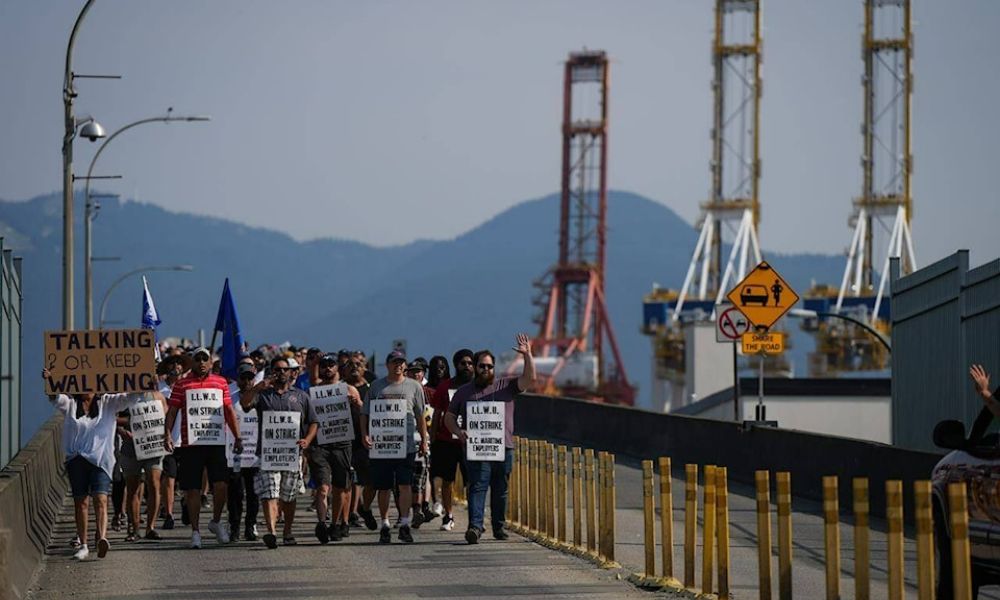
11 302
944 318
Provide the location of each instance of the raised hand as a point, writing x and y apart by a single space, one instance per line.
523 346
981 379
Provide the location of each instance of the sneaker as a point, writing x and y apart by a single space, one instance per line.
117 522
334 532
196 539
472 535
102 547
370 521
82 553
447 523
418 518
289 541
404 534
234 532
385 535
270 540
354 520
438 509
429 515
500 533
75 542
168 522
250 533
220 530
345 530
322 534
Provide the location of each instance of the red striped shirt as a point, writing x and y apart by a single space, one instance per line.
178 395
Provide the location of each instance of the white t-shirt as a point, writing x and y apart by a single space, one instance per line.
176 433
92 438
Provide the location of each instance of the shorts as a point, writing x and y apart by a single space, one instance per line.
445 457
86 478
277 485
387 473
330 465
420 473
133 467
170 466
194 460
361 465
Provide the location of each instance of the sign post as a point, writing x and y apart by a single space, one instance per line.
730 325
763 297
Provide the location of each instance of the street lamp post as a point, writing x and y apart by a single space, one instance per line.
111 288
808 314
90 213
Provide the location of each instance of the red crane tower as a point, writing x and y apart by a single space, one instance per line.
575 314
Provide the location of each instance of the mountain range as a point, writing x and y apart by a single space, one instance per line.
472 291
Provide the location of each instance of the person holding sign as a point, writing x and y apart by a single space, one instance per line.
89 425
142 453
283 418
244 466
393 410
446 449
487 408
330 402
202 399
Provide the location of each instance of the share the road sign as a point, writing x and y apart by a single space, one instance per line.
763 296
731 324
763 343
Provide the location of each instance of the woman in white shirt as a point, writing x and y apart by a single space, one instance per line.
89 444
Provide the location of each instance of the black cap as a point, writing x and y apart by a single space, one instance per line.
395 355
418 364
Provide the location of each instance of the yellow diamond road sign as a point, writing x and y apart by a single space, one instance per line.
763 296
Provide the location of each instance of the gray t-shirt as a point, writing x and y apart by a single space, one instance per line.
410 391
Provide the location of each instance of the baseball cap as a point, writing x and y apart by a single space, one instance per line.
245 368
418 364
331 358
293 364
201 350
395 355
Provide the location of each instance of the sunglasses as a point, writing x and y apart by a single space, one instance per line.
247 376
485 367
201 358
328 365
465 363
281 369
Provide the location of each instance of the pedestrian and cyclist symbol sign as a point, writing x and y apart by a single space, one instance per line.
763 296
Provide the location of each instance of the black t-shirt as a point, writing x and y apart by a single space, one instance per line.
356 413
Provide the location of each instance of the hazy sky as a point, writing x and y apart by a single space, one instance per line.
387 121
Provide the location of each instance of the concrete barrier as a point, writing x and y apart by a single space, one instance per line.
32 487
641 434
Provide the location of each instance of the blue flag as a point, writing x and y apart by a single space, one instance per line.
229 324
150 318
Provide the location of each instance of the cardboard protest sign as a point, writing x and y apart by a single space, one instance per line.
486 430
387 427
148 422
249 428
100 361
205 420
331 410
279 450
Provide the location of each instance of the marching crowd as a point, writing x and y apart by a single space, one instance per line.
300 419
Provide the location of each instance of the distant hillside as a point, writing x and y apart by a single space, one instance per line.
472 291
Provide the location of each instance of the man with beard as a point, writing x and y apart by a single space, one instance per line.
363 493
470 399
212 392
446 449
278 489
395 390
330 463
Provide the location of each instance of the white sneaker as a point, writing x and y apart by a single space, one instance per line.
196 539
220 531
82 553
447 523
438 509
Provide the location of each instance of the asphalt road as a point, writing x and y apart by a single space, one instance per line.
438 565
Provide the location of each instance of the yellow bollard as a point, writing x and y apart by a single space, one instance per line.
649 520
602 504
925 540
763 482
722 528
961 567
612 502
533 485
561 494
525 487
550 477
690 522
577 458
862 553
547 489
666 518
784 482
708 530
588 478
831 537
894 517
512 506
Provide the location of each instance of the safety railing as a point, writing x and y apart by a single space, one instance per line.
549 480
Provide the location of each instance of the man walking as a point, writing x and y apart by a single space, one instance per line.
243 475
488 400
203 401
392 412
446 448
